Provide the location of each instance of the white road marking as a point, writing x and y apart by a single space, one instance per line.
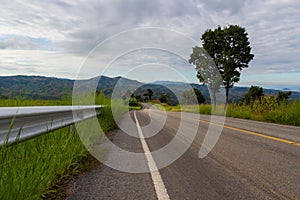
160 189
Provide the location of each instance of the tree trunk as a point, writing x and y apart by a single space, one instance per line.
227 94
214 98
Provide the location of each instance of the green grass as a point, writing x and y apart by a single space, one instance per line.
28 168
17 102
34 169
135 107
166 107
282 113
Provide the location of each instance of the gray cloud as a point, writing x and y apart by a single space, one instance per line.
76 27
219 6
13 42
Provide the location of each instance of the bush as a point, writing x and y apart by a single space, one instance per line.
164 98
133 102
254 93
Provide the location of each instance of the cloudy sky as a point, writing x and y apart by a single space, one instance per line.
55 37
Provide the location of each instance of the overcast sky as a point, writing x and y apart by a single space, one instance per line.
54 37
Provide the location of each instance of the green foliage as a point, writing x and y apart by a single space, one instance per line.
28 168
192 96
35 87
258 103
100 99
150 93
282 96
31 169
133 102
254 93
167 107
18 102
285 114
230 49
164 98
139 98
267 109
271 110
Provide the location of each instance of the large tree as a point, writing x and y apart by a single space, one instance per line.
207 72
230 49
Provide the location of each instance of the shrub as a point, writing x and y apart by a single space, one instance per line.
133 102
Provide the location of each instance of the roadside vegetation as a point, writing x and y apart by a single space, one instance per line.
254 106
283 113
134 104
219 62
40 167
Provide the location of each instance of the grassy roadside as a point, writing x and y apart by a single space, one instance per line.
39 167
139 107
284 113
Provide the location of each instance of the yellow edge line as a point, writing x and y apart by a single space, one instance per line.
253 133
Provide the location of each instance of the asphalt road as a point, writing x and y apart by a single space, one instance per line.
251 160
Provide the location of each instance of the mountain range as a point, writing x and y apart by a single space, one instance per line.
40 87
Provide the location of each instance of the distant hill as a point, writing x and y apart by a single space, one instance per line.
39 87
34 87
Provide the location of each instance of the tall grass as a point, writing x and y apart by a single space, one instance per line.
28 168
266 110
31 169
280 112
18 102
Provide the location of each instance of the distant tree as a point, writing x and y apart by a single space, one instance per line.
164 98
282 96
139 98
192 96
254 92
150 93
146 97
230 49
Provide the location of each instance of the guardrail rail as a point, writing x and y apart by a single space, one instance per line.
22 123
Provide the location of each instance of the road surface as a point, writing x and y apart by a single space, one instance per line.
251 160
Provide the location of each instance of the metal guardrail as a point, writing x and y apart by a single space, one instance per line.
22 123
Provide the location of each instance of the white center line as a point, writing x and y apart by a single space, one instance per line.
160 189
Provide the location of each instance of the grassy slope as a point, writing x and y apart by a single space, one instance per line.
283 114
33 169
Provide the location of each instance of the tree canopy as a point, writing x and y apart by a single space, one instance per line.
282 96
230 49
150 93
165 98
254 92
